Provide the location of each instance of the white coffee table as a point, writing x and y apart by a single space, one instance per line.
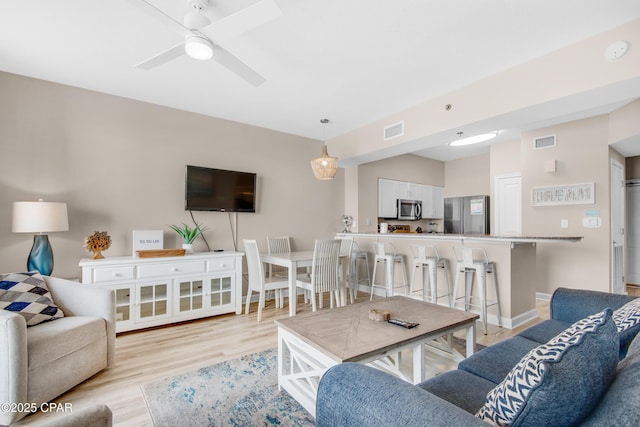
311 343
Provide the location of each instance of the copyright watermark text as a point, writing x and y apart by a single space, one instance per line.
35 407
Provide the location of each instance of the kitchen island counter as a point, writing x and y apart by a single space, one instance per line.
514 258
467 237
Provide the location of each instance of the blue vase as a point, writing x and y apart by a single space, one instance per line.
41 255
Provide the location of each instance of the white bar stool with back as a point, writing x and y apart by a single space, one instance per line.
428 258
474 261
386 253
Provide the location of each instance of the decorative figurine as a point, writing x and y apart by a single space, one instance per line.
99 241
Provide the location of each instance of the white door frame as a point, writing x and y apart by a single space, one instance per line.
617 225
498 198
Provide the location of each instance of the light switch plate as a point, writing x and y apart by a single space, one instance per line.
564 223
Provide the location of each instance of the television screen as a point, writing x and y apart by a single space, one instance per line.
209 189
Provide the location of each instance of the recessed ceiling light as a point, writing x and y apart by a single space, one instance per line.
476 139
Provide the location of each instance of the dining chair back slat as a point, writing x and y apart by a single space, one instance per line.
324 271
278 245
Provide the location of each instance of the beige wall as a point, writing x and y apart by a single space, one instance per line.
576 265
467 177
119 165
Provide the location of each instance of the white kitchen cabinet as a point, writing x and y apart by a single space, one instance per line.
387 196
432 201
389 191
157 291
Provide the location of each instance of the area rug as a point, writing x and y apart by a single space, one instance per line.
240 392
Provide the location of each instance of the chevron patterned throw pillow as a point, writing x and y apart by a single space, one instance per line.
27 294
627 316
558 383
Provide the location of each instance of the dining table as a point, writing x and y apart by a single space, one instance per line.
292 261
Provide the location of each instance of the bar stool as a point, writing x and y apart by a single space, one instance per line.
389 259
475 261
358 256
428 258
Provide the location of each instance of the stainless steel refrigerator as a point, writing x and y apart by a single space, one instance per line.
466 215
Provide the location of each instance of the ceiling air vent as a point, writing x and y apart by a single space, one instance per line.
393 131
544 142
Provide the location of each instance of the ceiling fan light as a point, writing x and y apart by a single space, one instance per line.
475 139
198 47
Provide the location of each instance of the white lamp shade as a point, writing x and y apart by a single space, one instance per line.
39 217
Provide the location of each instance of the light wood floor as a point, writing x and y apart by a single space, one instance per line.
149 355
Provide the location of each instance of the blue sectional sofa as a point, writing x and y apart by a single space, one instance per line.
581 367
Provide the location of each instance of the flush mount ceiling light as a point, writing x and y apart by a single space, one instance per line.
324 167
198 47
476 139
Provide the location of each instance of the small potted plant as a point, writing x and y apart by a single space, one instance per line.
187 234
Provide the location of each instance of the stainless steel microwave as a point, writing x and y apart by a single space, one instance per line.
409 209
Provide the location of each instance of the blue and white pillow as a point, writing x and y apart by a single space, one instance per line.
627 316
27 294
560 382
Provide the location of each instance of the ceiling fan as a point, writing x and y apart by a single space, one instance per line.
201 36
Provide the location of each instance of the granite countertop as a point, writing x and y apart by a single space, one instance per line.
476 237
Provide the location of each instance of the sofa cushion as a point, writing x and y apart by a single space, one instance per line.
621 404
627 320
544 331
558 383
27 294
50 341
465 390
493 363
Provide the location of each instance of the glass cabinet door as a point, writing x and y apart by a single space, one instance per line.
124 303
153 301
190 295
221 291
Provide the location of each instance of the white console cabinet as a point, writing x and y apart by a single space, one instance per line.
157 291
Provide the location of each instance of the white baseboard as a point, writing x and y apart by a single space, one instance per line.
543 297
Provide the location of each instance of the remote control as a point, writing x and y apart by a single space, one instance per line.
403 323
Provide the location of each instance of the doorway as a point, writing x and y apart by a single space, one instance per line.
508 205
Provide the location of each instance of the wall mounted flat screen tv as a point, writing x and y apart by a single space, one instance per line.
221 190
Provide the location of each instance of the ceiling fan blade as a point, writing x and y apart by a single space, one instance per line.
233 64
156 13
162 58
242 21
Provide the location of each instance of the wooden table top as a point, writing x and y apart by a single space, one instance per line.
347 335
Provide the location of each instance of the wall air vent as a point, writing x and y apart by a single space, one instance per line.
544 142
393 131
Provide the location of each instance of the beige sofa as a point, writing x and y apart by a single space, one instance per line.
43 361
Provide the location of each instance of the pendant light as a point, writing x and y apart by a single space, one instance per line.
324 167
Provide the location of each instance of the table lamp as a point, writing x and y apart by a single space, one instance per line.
40 217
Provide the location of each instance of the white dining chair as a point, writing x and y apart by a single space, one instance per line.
324 273
278 245
257 280
346 246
